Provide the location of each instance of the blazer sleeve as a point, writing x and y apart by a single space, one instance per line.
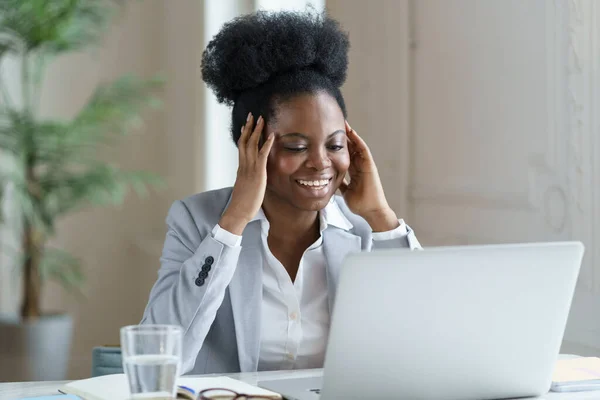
193 277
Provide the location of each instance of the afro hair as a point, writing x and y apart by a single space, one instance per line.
260 60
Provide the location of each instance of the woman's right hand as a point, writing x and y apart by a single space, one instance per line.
251 182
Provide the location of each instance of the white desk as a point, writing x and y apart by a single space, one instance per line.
17 390
13 391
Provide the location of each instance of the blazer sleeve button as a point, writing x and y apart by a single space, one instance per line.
199 281
209 260
203 275
206 267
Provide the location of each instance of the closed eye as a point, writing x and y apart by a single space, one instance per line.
295 149
335 148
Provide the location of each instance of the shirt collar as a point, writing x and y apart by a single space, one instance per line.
330 215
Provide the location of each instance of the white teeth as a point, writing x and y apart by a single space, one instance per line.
320 183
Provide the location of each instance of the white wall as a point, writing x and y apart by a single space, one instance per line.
498 139
220 153
294 5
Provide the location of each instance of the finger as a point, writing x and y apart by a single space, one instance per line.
349 136
358 144
351 148
241 149
348 127
243 141
266 147
252 145
246 128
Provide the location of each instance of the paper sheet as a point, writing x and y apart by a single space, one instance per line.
577 370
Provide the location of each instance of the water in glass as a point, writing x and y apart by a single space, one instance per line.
151 376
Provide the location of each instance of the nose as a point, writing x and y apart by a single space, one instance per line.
318 159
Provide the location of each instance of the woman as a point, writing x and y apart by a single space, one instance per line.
250 272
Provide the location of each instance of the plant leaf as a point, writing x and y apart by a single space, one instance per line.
112 110
56 25
11 131
62 267
100 184
8 141
115 107
140 181
9 43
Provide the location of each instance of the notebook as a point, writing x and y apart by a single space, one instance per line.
576 374
116 387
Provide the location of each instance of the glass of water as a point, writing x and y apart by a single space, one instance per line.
152 359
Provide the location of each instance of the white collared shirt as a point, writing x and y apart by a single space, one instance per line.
295 315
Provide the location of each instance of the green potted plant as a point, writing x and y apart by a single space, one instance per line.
53 168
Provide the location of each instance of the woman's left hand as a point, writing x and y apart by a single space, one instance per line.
364 194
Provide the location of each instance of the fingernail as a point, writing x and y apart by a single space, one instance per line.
242 129
249 116
260 119
272 135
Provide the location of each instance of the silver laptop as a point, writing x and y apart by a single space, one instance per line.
473 322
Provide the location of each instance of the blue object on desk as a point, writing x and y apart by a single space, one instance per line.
106 360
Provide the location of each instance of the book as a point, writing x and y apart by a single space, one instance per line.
116 387
576 374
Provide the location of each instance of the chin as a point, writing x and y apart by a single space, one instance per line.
312 204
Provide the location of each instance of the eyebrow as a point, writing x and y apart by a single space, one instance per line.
303 136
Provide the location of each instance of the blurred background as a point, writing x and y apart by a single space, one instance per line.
482 117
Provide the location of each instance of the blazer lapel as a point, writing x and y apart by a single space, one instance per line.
245 291
337 244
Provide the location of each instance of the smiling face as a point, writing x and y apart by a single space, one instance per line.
309 158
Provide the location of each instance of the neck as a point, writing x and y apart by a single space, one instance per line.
287 221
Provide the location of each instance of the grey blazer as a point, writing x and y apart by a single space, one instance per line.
221 317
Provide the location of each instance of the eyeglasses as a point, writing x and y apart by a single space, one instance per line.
227 394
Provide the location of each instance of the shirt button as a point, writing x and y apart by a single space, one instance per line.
290 356
293 316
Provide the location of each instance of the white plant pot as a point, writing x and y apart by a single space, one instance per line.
35 350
